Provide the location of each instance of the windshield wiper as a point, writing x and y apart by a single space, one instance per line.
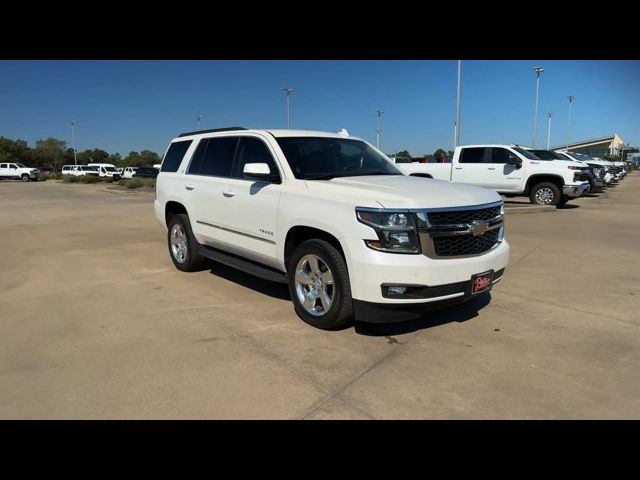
324 176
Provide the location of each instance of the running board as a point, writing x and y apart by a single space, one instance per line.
253 268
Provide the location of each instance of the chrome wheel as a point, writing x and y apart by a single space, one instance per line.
544 196
179 247
314 285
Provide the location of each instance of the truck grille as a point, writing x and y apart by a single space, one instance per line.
463 216
456 245
457 233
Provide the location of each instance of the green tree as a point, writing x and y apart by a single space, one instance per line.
403 154
50 152
439 152
14 151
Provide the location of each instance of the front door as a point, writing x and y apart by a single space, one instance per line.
502 175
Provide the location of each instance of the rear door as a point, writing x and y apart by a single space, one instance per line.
472 167
4 169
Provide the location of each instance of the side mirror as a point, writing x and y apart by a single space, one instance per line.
514 160
259 171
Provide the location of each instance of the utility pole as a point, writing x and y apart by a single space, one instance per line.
73 140
571 99
288 91
457 142
549 132
538 69
378 129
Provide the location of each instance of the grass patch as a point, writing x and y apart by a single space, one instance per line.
132 183
80 179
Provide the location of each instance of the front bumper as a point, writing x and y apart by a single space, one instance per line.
574 191
375 312
369 270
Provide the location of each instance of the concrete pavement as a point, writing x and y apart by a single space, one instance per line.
95 322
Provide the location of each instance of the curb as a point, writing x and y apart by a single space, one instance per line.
531 209
118 191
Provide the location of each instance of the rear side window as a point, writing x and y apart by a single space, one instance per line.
214 157
472 155
253 150
174 156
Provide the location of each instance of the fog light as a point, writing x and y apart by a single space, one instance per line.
396 290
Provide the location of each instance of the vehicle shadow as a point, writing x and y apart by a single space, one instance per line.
272 289
567 206
440 315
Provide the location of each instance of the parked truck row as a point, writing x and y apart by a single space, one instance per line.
546 177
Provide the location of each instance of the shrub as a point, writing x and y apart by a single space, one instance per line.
80 179
138 183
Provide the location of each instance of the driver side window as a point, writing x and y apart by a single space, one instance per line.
253 150
501 155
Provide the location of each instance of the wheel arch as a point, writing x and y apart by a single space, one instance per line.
544 177
299 233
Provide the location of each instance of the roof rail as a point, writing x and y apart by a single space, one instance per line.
212 130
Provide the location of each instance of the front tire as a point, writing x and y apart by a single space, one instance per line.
182 243
545 193
25 178
319 285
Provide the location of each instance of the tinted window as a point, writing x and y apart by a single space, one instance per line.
214 157
174 156
3 165
472 155
547 155
500 155
325 158
253 150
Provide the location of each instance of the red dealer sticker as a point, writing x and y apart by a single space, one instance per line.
481 282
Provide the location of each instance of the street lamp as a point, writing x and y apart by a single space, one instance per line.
571 99
73 140
378 130
538 69
457 124
198 118
288 91
549 131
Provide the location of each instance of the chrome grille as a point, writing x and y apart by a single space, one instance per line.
462 216
460 232
457 245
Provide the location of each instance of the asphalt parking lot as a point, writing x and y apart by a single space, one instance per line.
95 322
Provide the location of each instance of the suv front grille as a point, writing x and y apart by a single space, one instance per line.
456 245
460 233
463 216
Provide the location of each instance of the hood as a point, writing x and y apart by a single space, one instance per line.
402 191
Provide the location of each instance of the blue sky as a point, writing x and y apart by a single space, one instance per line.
136 105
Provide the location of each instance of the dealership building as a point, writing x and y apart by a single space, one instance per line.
598 147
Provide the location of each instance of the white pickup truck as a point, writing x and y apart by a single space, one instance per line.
509 170
18 171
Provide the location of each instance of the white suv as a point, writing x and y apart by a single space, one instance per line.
18 171
331 216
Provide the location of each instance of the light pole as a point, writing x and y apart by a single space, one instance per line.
288 91
198 118
73 140
538 69
549 131
378 130
457 127
455 134
571 99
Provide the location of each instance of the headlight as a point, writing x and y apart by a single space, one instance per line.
396 230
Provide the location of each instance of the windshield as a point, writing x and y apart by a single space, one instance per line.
21 165
110 169
547 155
319 158
526 154
581 156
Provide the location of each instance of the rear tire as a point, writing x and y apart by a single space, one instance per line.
183 246
545 193
319 285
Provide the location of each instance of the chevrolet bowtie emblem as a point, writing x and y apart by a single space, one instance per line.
478 227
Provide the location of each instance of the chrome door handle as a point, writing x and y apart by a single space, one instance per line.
228 192
190 186
491 168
